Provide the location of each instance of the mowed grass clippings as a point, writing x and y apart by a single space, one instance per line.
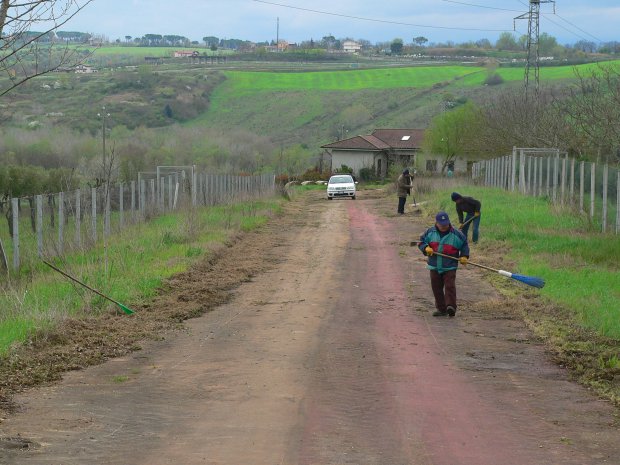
576 314
45 344
130 266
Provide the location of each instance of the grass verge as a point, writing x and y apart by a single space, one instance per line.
577 312
130 268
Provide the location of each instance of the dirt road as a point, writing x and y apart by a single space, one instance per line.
328 355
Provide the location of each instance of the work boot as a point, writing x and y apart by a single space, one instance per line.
440 313
451 310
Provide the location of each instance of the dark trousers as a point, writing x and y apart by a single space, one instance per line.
444 289
476 222
401 204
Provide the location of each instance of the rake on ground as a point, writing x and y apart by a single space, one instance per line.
529 280
127 310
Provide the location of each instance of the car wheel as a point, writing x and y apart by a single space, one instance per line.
353 198
330 198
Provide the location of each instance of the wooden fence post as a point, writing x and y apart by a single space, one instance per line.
572 179
61 223
513 169
582 184
133 199
15 217
605 186
592 188
121 205
93 214
78 218
563 181
618 202
556 169
39 224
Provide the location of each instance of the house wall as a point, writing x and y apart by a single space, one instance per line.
421 164
356 160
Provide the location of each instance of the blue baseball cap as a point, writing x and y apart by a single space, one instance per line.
442 219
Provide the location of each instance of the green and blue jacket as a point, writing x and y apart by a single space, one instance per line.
453 242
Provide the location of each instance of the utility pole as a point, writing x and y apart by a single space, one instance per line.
278 35
533 54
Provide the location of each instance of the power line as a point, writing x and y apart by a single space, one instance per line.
578 28
562 27
482 6
377 20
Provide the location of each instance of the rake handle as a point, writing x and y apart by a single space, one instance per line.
456 258
467 222
81 283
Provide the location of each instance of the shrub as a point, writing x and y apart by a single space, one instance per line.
493 79
368 174
314 175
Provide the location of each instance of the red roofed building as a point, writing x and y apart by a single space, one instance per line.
377 151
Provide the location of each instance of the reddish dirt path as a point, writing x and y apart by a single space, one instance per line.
327 357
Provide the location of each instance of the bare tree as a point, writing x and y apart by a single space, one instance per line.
26 53
511 120
594 108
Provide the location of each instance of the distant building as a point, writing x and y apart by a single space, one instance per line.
350 46
377 151
185 53
281 46
83 69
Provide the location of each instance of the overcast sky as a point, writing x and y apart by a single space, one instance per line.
373 20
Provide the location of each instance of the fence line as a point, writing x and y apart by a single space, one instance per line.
36 230
526 168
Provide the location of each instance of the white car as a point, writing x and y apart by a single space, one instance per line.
341 185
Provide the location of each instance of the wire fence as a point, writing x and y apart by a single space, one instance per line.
55 224
590 188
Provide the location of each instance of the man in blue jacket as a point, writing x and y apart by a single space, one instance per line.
444 239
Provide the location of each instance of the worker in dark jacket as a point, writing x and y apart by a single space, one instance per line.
472 207
444 239
404 184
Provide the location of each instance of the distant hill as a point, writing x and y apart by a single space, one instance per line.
296 107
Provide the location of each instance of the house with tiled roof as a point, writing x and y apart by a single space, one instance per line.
376 151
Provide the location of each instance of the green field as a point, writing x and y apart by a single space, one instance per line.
351 80
244 82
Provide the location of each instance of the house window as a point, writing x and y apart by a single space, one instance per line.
451 166
379 171
431 165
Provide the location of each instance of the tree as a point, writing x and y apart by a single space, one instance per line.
127 39
506 41
328 42
396 47
547 44
594 108
453 133
484 43
420 41
23 52
512 120
585 46
211 41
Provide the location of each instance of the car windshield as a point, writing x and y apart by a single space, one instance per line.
341 180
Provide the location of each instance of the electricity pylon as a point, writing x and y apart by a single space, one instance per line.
533 54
